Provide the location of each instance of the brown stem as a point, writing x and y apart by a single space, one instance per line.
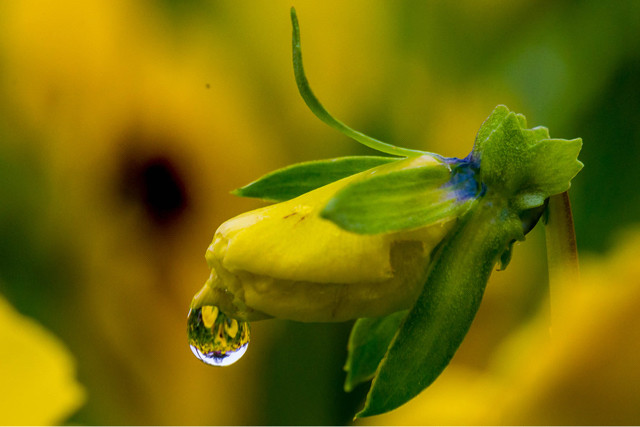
562 251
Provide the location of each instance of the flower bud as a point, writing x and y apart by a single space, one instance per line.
286 261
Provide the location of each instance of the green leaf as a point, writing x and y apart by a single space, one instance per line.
295 180
553 164
523 164
503 154
536 134
368 343
320 112
442 314
489 126
403 199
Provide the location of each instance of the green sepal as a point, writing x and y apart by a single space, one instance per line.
295 180
505 258
488 128
524 165
554 162
403 199
320 112
436 325
368 343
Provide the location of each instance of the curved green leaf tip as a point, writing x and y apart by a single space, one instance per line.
320 112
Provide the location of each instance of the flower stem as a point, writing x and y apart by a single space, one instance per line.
562 251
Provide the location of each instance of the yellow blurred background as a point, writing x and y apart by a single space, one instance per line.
124 125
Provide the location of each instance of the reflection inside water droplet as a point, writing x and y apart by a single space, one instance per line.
215 338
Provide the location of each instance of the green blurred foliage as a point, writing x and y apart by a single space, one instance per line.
124 125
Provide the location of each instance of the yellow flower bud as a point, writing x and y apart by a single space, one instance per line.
286 261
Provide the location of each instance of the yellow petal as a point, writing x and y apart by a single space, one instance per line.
286 261
290 241
37 373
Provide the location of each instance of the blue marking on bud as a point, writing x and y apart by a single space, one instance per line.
463 185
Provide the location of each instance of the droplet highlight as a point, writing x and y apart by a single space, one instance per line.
215 338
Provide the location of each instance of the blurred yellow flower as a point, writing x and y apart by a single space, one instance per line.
142 133
584 372
124 103
37 373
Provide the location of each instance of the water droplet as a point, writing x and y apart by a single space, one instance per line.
215 338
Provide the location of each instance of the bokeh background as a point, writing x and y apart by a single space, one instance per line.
125 124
